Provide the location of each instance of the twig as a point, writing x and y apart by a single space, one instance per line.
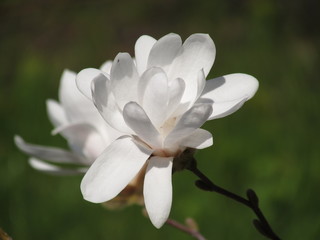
261 224
191 231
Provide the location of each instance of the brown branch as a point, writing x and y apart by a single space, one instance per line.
252 201
192 231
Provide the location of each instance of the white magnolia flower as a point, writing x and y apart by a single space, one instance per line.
79 122
158 102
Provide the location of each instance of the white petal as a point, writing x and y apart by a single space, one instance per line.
164 51
188 123
67 86
197 52
53 169
201 83
157 189
84 139
106 104
153 94
84 80
199 139
56 113
142 51
113 170
139 122
229 92
106 67
77 107
47 153
108 133
124 79
176 90
222 109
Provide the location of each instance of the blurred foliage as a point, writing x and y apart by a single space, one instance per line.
270 145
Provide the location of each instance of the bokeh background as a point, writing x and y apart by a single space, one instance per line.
270 145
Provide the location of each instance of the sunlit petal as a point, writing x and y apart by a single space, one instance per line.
124 79
113 170
164 51
157 189
142 51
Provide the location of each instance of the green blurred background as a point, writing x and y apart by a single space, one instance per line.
270 145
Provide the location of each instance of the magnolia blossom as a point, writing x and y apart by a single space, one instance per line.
78 121
158 102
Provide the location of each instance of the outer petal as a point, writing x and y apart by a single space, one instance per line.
53 169
113 170
153 92
47 153
188 123
84 80
142 51
222 109
56 113
138 121
199 139
164 51
157 189
229 92
197 52
124 79
84 139
106 104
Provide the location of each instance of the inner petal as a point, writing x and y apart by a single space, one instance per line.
153 95
124 79
164 51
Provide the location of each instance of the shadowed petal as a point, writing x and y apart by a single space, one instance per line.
77 107
106 67
222 109
229 92
84 139
56 113
47 153
106 104
113 170
157 189
139 122
201 83
53 169
199 139
176 90
84 80
190 121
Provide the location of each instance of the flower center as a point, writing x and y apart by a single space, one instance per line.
167 126
166 152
